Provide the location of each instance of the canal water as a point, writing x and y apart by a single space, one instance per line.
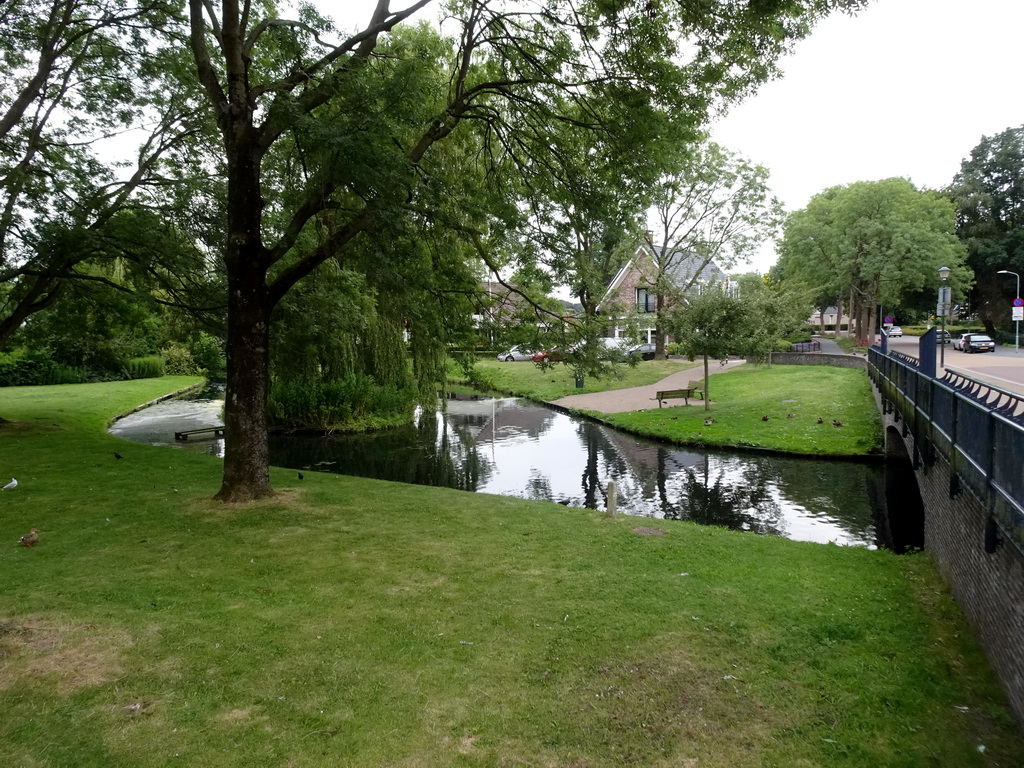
513 447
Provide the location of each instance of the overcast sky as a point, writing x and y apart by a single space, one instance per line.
905 88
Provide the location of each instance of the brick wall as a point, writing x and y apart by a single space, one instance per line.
988 587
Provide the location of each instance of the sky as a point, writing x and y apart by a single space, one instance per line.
905 88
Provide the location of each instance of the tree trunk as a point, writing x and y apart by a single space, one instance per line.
246 456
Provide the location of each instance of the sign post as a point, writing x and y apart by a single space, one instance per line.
1017 312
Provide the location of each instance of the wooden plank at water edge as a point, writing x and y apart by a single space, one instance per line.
187 433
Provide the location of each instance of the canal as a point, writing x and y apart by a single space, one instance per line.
514 447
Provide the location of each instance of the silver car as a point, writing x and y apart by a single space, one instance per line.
517 354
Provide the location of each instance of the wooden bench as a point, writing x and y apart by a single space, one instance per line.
675 394
187 433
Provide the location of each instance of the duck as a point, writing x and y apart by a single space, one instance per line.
764 418
30 539
836 423
821 420
709 422
790 415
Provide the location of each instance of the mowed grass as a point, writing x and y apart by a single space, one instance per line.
357 623
793 397
557 380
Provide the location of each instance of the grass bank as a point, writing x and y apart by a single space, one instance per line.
555 381
362 623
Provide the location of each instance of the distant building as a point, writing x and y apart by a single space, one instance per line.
635 286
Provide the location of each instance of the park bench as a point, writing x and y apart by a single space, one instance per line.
675 394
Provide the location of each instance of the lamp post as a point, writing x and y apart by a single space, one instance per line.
1015 322
943 308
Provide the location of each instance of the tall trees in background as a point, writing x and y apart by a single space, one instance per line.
989 196
875 241
715 206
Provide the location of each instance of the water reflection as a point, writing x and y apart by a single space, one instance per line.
512 447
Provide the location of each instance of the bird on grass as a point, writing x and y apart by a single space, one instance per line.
709 422
118 455
30 539
821 420
11 485
301 476
836 423
764 418
790 415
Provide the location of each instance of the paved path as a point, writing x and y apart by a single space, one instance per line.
640 398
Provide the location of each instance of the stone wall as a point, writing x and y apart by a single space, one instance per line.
815 358
989 586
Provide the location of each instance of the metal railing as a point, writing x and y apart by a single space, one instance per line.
806 346
976 427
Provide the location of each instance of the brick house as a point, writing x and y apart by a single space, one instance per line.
634 286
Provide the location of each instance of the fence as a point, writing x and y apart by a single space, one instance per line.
976 427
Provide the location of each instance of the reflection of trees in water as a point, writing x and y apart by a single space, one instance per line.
423 453
849 493
737 500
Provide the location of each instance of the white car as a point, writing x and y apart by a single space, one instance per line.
517 354
895 332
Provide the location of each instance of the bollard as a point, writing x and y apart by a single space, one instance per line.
611 499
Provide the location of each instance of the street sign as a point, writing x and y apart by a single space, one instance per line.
1018 302
1018 313
889 320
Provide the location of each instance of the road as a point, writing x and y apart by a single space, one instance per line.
1003 368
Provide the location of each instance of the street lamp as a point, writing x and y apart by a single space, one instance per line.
1015 322
944 302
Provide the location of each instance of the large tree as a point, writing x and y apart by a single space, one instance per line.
365 119
714 207
989 196
875 241
82 80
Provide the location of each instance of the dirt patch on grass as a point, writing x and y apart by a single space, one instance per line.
68 655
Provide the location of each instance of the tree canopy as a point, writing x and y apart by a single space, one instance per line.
989 196
874 240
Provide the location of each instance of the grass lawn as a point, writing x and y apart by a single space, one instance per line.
793 397
354 622
555 381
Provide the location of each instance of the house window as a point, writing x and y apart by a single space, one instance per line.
646 301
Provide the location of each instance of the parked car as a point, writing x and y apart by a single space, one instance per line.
646 351
517 354
895 332
960 342
979 342
551 355
942 337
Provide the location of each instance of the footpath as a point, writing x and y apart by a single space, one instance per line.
642 398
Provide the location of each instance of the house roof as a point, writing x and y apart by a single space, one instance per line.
681 270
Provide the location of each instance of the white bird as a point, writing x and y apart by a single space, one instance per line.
11 485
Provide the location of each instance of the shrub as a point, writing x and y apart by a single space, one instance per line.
178 361
354 402
208 353
17 370
151 367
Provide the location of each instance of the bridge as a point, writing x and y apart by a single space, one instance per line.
965 441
